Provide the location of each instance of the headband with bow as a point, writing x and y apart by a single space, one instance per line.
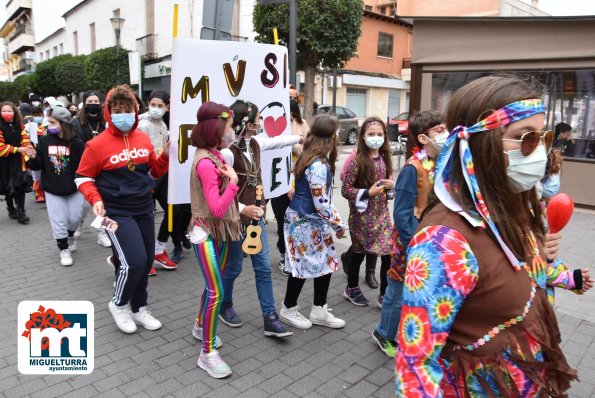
504 116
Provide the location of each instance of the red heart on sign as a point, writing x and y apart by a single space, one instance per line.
559 211
274 127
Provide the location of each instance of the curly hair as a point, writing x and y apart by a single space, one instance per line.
122 95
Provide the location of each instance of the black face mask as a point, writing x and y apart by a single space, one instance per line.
93 108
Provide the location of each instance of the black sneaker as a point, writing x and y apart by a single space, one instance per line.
355 295
274 328
387 346
186 242
22 217
177 254
12 214
229 317
282 266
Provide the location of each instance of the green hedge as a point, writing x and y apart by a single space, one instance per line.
67 74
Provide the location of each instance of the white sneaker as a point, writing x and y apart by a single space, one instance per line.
79 231
145 319
65 258
213 364
123 317
197 333
72 243
110 262
322 316
103 239
292 316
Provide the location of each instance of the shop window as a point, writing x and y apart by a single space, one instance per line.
385 45
356 101
569 97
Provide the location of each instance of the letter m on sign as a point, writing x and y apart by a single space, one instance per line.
190 90
55 337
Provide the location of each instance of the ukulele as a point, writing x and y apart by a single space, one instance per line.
252 242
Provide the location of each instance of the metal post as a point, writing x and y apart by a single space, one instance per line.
335 90
117 56
292 42
218 17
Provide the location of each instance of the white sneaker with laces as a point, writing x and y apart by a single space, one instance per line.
292 316
320 315
197 334
145 319
103 239
213 364
79 231
72 243
123 317
66 258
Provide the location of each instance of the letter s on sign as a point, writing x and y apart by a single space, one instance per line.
269 63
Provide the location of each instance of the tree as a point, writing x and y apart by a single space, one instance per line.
327 34
70 75
101 69
45 76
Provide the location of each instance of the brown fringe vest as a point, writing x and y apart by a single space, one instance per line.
226 228
501 294
423 187
247 170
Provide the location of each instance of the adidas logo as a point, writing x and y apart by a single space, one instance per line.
134 153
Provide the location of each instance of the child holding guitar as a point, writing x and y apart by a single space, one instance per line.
244 156
309 222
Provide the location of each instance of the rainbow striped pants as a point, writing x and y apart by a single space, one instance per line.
212 259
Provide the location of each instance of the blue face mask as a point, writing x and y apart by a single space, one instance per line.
551 185
123 121
38 119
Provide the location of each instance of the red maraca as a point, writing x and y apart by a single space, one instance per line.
559 211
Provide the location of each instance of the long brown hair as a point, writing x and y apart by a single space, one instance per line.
366 174
515 214
321 144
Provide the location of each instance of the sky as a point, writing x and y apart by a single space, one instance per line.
567 7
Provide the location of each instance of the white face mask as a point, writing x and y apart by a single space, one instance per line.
156 113
374 142
525 171
439 140
228 138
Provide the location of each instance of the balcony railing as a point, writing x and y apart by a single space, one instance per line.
21 28
146 47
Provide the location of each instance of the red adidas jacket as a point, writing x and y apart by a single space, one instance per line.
103 173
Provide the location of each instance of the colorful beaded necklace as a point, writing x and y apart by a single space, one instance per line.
427 163
537 275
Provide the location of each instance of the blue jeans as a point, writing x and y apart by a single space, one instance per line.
262 273
390 315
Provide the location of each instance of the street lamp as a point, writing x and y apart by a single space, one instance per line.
117 24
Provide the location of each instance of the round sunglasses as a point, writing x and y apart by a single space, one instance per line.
531 140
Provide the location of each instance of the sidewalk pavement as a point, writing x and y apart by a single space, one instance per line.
319 362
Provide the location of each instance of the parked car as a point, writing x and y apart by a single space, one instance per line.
348 121
402 122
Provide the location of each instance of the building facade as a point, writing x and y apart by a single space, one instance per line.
376 81
19 41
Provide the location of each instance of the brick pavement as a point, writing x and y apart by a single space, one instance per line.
315 363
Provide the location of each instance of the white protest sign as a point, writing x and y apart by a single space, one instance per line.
32 130
223 72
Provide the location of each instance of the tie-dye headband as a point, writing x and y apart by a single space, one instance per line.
504 116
